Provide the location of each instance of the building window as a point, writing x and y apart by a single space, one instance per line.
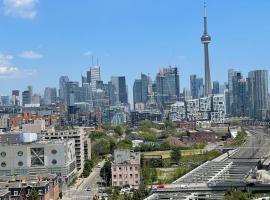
120 168
3 154
37 157
114 176
3 164
136 175
136 168
114 169
20 153
130 175
130 168
54 151
120 175
20 163
54 162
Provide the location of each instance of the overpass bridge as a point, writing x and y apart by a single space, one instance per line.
230 170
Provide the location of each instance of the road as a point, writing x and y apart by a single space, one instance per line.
90 182
256 147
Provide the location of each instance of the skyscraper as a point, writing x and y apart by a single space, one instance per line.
50 95
229 102
196 87
240 103
216 87
168 87
206 39
26 97
16 97
119 83
94 76
63 88
137 91
140 89
72 88
258 93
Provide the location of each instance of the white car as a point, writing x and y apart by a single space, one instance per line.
183 187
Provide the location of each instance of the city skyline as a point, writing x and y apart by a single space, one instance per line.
15 56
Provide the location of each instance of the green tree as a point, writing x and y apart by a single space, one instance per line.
87 169
118 130
33 195
101 147
149 175
124 144
146 125
106 172
175 154
234 194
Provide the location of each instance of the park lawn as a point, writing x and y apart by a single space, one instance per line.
168 175
167 154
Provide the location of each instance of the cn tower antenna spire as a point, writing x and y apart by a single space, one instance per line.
206 39
205 9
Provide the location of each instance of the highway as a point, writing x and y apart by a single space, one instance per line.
213 178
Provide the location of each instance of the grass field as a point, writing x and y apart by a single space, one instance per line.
167 154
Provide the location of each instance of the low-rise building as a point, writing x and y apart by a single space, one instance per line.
126 168
21 187
4 194
37 127
138 116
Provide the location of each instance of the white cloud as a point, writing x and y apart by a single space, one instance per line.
88 53
20 8
8 71
30 55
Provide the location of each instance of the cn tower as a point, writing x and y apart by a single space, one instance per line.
206 39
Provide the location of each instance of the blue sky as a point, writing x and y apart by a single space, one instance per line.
40 40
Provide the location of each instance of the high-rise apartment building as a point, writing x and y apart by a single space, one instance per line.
94 76
168 86
15 97
196 87
63 88
72 88
258 93
50 96
119 83
26 97
240 105
141 89
231 74
215 87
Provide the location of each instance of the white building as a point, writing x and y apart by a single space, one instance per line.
39 157
37 127
95 76
178 111
210 109
82 143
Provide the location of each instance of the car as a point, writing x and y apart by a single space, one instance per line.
88 189
99 165
160 186
183 186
